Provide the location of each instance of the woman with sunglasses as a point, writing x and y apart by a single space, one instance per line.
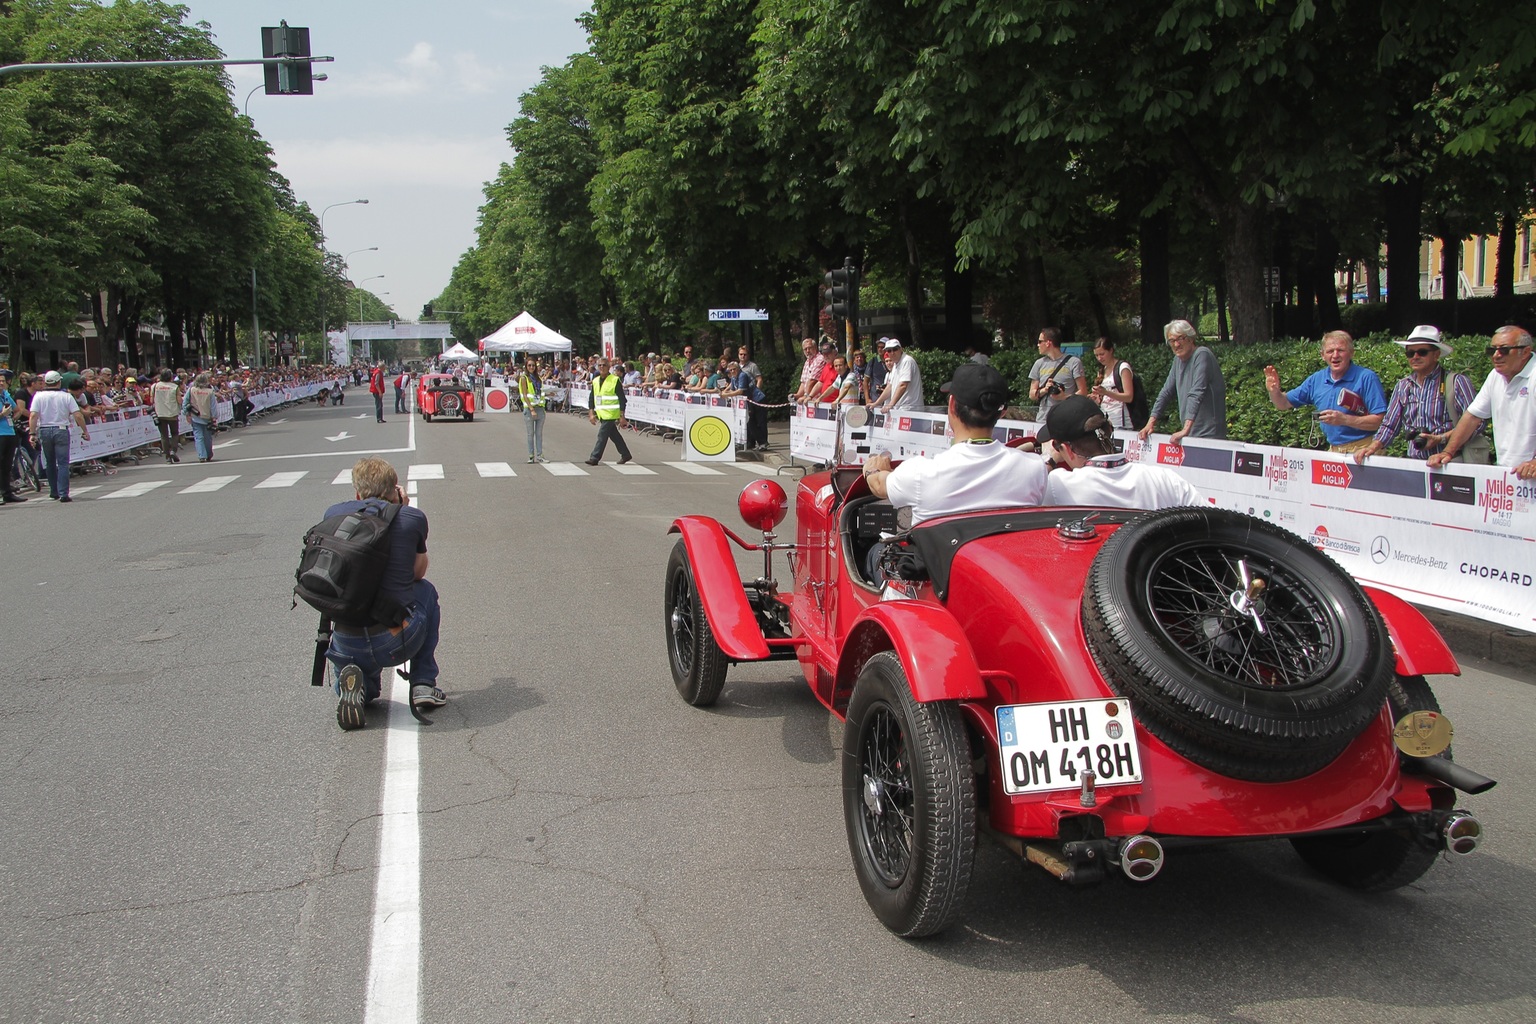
1426 403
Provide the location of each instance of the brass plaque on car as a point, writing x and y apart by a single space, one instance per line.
1422 733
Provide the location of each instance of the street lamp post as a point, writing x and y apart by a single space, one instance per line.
357 287
377 295
246 108
321 295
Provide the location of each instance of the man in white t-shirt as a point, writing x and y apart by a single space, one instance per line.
903 382
976 472
1508 397
1099 475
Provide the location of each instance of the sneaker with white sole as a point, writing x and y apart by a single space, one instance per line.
354 694
425 696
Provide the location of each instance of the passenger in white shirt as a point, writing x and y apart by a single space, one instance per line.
1508 397
1099 475
976 472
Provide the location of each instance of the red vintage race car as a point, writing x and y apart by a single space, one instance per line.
442 394
1097 687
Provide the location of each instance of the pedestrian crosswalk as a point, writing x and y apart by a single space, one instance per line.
431 471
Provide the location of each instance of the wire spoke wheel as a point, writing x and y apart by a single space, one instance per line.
1288 640
1243 648
909 801
886 820
698 664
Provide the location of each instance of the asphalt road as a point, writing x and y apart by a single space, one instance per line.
189 837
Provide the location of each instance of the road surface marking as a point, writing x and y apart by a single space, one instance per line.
494 469
632 470
344 477
695 468
425 471
564 469
134 490
283 479
213 483
760 468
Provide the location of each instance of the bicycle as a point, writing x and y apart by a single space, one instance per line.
23 471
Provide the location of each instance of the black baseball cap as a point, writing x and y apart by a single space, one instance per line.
1070 419
980 387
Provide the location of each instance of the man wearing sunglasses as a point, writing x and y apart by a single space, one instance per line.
1507 398
1427 403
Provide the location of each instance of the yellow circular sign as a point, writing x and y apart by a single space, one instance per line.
710 435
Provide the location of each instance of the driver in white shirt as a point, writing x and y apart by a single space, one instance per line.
1098 474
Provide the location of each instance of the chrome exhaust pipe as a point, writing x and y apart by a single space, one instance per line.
1140 858
1460 833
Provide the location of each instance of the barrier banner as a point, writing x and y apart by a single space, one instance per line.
126 429
671 409
1462 539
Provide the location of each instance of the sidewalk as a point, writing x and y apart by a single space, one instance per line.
1468 638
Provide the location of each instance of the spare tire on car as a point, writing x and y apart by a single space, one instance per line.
1242 647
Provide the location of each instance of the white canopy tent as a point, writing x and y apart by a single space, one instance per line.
525 334
458 351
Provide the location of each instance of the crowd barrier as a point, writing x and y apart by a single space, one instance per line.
668 409
1462 539
126 429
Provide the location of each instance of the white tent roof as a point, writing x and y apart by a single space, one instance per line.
458 351
524 334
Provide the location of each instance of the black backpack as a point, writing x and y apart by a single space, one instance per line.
1137 407
342 566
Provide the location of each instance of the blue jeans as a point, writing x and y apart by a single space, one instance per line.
53 444
416 643
202 436
533 424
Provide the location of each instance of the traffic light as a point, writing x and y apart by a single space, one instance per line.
843 291
295 79
426 311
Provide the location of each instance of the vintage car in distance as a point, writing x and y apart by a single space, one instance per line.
1097 687
443 394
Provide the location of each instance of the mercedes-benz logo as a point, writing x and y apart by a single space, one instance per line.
1380 550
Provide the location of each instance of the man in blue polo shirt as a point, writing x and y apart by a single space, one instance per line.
1349 399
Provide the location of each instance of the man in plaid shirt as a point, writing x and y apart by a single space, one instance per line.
1425 404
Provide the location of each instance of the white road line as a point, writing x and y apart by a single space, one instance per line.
695 468
344 477
760 468
84 490
632 470
564 469
393 995
213 483
494 469
283 479
425 471
134 490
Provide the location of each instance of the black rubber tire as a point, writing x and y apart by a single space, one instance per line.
909 801
449 404
427 416
698 664
1379 861
469 417
1262 706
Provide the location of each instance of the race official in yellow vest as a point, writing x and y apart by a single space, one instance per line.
607 412
530 391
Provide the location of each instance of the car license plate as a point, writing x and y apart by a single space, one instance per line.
1049 746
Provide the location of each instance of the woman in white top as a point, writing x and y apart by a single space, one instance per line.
1115 390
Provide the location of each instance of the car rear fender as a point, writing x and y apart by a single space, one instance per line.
1418 646
730 615
932 647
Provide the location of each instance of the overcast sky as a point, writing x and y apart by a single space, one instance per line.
413 118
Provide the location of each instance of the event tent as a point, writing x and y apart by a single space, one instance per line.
458 351
524 334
